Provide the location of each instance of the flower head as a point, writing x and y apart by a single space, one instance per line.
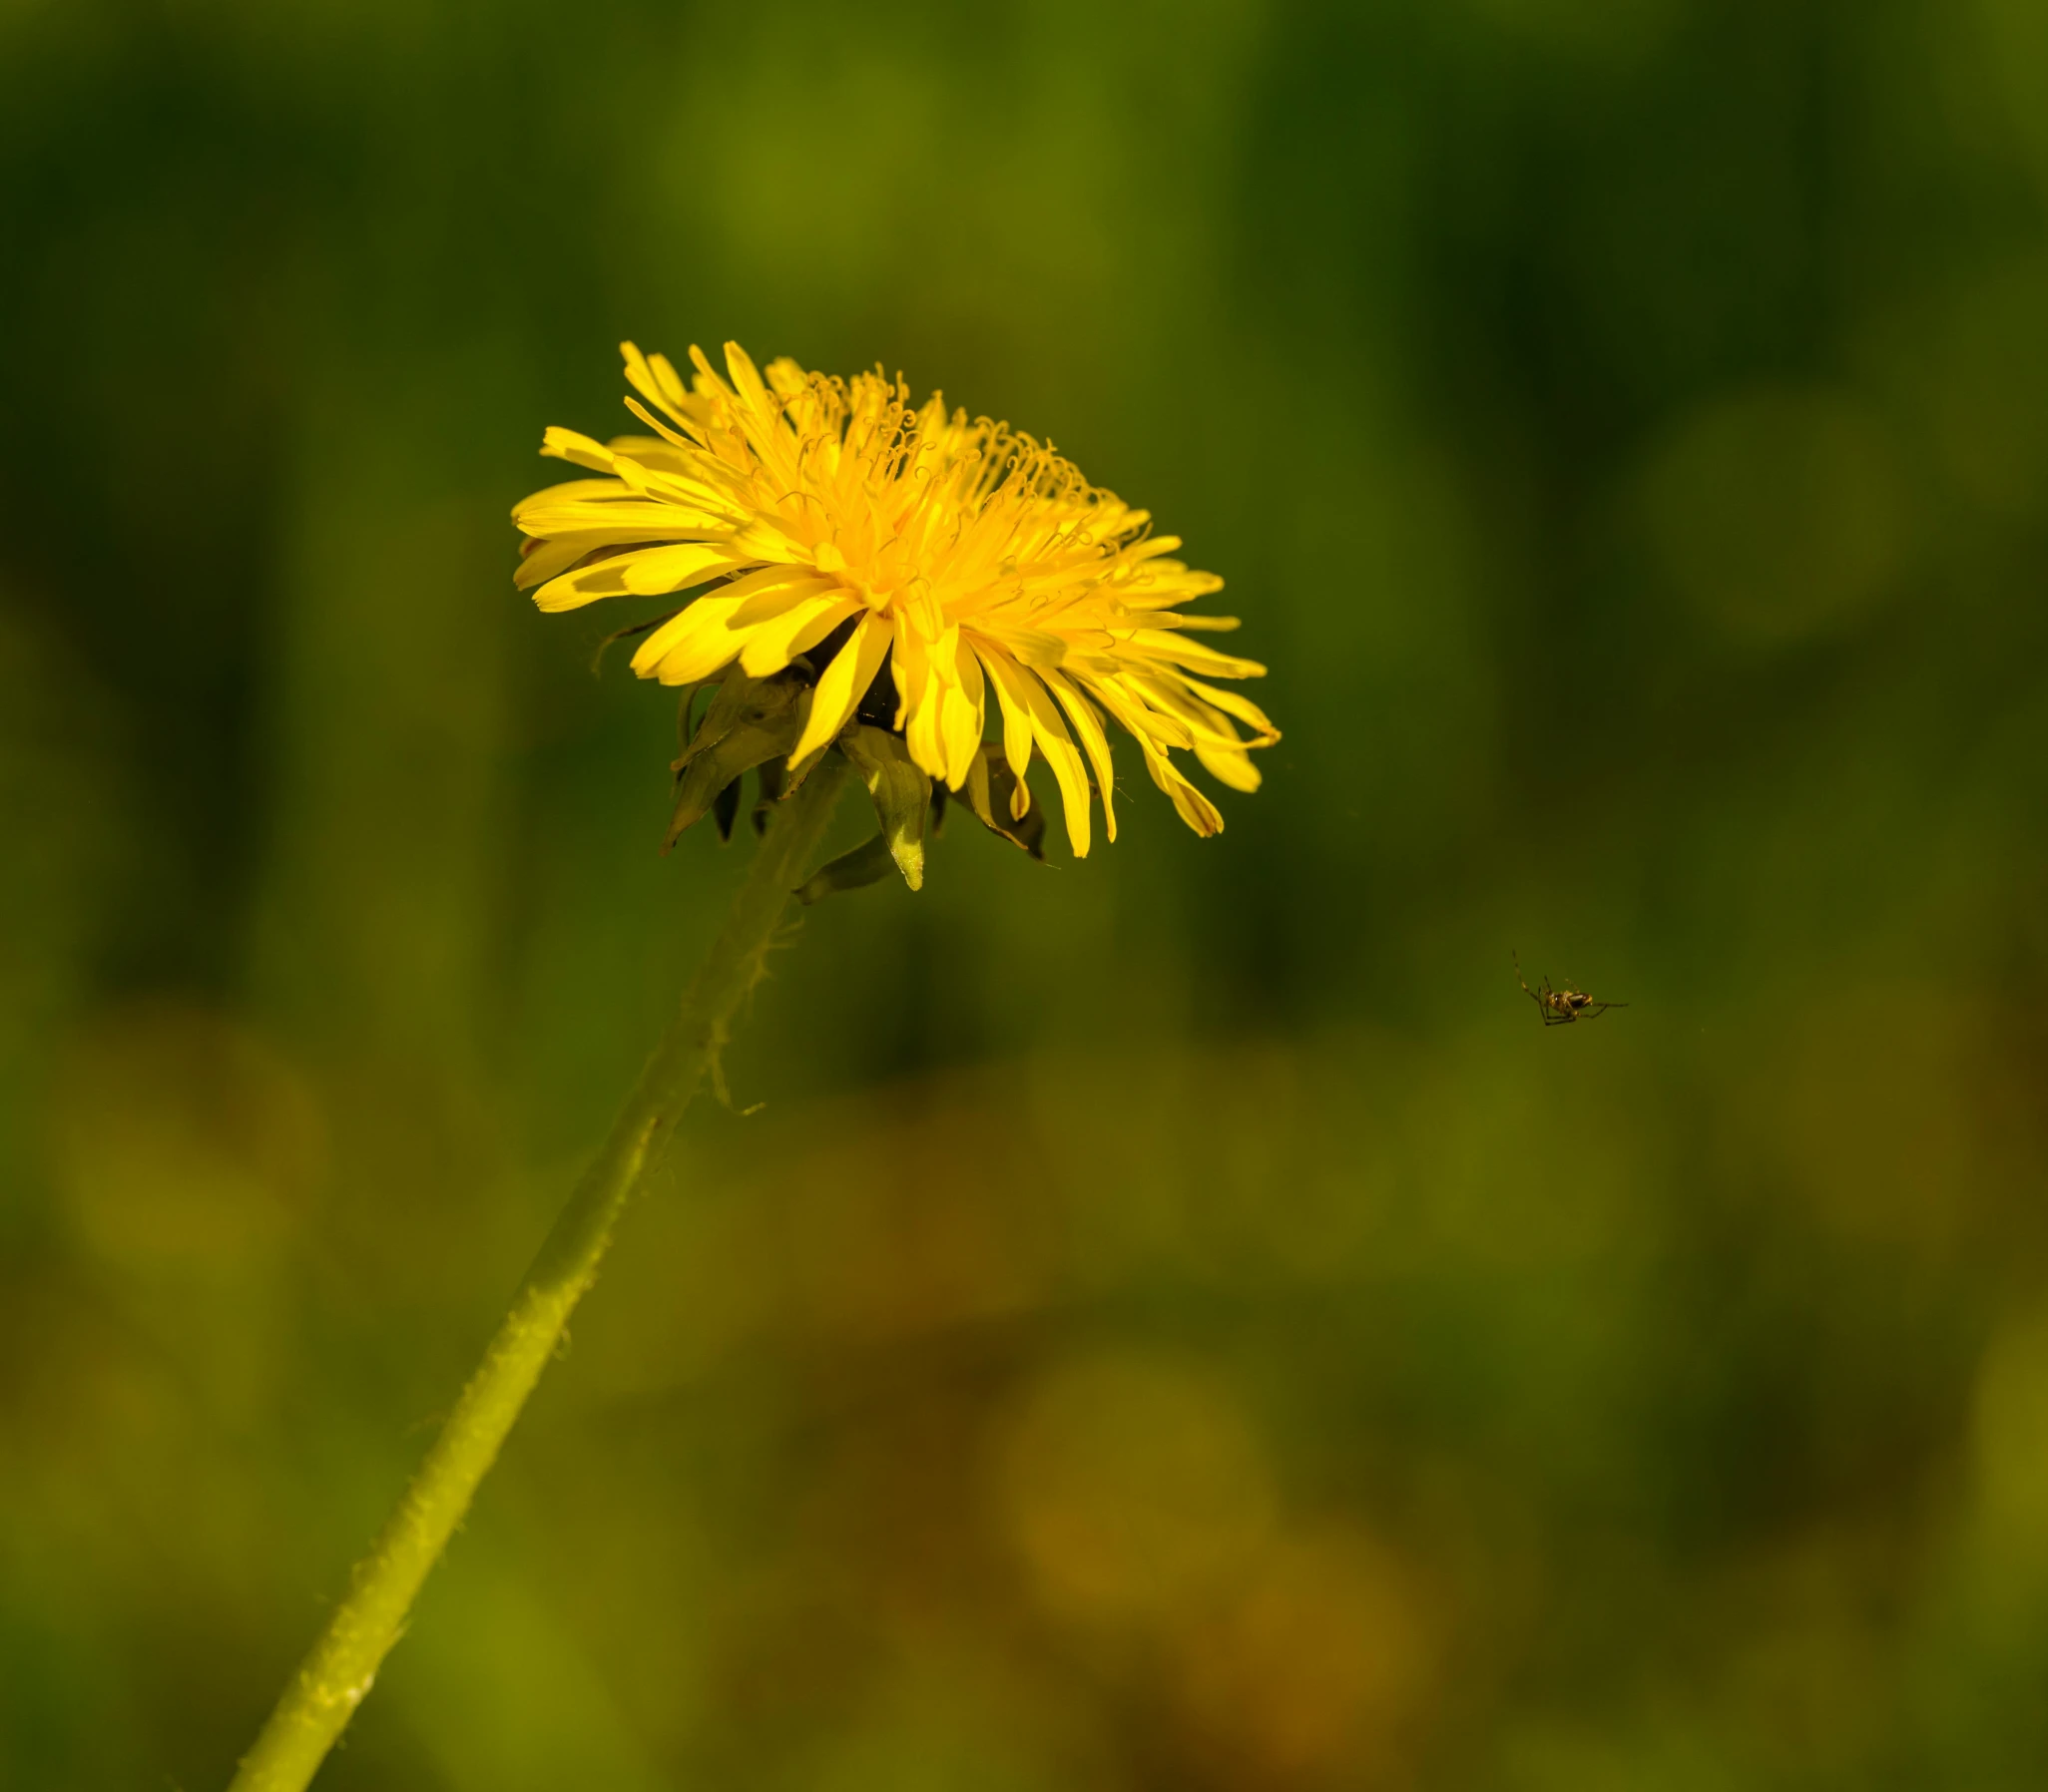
832 530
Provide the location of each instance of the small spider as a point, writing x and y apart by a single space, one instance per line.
1560 1007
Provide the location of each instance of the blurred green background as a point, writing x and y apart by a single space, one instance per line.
1179 1321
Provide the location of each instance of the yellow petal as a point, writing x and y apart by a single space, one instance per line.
683 477
1174 708
655 380
568 491
772 590
747 382
1234 703
1031 646
691 644
640 375
1089 727
1008 678
1150 549
706 380
1166 583
844 682
604 579
566 444
1159 644
921 694
678 568
1064 758
964 716
547 559
1234 769
674 437
1212 625
1126 701
773 645
1193 808
922 730
626 518
787 377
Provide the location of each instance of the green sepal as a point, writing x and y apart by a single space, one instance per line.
902 794
750 722
774 781
734 696
685 724
867 863
725 808
996 795
795 773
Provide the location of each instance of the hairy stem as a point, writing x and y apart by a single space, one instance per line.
339 1670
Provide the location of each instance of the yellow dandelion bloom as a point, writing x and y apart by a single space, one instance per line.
836 530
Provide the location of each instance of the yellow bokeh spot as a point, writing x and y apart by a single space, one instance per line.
1130 1487
2012 1440
1327 1656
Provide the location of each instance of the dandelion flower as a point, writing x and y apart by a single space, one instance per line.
866 586
884 577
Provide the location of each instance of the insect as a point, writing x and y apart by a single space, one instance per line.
1560 1007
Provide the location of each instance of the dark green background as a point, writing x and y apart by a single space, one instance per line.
1179 1321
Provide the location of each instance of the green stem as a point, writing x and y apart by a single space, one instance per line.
335 1676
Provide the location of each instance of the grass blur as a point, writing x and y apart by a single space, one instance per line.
1178 1321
